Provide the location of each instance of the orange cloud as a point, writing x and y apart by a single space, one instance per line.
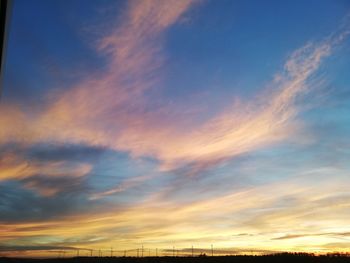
13 167
257 211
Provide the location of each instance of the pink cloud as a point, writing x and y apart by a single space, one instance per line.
110 110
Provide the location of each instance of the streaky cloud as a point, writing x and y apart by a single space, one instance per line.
111 111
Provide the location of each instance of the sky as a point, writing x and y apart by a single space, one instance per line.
172 124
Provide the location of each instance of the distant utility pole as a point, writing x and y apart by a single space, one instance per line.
137 252
111 251
99 253
212 250
78 252
142 251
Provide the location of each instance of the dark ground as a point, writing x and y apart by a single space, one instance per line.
208 259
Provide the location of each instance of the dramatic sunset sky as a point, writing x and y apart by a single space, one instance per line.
175 123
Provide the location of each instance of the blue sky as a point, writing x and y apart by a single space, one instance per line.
175 123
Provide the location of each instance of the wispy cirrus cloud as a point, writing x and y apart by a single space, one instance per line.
333 234
47 178
79 116
112 111
267 219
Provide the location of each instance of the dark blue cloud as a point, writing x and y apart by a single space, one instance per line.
67 152
18 204
63 184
